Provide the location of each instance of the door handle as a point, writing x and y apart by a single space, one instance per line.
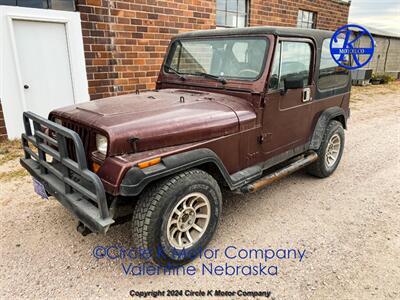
26 86
306 95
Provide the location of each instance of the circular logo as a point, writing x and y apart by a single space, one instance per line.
346 52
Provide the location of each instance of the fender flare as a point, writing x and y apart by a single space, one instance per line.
136 179
326 116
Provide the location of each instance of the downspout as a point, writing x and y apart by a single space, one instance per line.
386 57
114 61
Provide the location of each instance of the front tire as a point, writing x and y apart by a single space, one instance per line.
176 218
330 151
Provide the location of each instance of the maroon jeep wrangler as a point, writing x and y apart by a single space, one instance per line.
234 109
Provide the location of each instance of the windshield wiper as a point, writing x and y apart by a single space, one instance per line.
206 75
176 72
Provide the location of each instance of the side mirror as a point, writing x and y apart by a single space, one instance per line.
293 82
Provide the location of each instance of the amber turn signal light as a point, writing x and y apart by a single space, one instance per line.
95 167
149 163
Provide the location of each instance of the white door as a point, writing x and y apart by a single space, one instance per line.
42 49
44 64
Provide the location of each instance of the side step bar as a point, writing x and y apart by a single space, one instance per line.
289 169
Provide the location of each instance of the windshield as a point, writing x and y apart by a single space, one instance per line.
240 58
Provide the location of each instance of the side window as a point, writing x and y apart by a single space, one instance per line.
330 74
292 59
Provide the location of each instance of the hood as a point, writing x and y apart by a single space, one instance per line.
160 118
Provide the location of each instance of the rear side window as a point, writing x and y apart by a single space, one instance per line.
331 75
292 59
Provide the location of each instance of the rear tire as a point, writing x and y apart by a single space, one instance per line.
330 151
176 218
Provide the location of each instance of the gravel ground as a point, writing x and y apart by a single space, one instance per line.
349 225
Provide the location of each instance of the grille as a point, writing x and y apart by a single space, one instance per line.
84 135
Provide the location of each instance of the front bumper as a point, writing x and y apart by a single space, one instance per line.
68 180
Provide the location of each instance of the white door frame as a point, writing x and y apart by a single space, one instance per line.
72 23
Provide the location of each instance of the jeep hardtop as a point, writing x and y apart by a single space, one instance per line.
233 109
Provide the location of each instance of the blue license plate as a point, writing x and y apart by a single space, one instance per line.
39 189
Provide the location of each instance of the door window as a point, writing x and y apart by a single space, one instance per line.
292 59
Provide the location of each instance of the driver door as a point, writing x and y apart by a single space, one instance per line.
287 112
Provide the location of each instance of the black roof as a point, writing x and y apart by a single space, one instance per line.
275 30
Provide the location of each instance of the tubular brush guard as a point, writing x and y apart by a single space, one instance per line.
69 181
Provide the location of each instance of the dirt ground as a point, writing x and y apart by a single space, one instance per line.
348 224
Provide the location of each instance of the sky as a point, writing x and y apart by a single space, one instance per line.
381 14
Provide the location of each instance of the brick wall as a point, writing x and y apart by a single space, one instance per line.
331 14
125 41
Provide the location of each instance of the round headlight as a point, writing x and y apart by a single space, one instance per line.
101 143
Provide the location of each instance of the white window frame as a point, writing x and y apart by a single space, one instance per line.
246 14
311 22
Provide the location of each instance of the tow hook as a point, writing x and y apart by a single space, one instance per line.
83 229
